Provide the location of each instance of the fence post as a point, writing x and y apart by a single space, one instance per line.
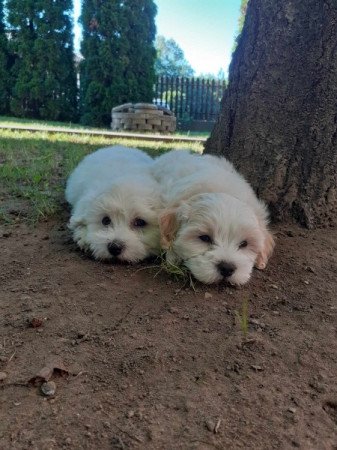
211 110
181 97
191 112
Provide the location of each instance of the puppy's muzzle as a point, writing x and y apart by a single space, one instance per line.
226 269
115 248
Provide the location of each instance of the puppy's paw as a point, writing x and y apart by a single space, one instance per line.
266 252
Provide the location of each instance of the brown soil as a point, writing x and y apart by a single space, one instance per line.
152 365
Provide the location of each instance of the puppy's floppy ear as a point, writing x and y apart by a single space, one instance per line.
266 250
168 226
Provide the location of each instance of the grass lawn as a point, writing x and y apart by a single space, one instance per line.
12 121
7 120
35 166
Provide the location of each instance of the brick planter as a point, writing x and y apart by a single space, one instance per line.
143 117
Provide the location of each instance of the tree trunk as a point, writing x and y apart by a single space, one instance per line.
278 120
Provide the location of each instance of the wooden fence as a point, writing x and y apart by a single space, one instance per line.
191 99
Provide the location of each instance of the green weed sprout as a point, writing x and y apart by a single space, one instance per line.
243 317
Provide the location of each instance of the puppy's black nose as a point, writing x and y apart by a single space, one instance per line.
226 269
115 248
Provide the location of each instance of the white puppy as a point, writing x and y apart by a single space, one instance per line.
115 203
212 221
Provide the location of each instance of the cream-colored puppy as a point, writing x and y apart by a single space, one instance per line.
115 203
212 221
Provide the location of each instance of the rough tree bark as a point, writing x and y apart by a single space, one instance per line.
278 120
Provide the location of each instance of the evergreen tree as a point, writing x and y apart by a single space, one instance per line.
44 77
4 66
119 56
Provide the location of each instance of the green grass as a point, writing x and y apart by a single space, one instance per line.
178 273
34 168
12 121
243 317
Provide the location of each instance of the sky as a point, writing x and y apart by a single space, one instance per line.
203 29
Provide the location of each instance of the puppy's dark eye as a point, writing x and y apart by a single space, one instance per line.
205 238
139 223
106 221
243 244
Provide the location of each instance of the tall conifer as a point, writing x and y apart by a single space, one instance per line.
119 55
4 66
44 77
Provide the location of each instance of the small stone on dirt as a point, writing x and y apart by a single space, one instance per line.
210 425
208 295
48 389
3 376
256 368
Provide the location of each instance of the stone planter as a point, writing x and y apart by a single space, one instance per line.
143 117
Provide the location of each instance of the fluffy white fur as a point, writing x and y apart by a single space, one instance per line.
212 221
115 185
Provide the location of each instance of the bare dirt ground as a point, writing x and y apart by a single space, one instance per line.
152 365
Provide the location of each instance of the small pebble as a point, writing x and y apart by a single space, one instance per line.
257 368
48 389
210 425
208 295
3 376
